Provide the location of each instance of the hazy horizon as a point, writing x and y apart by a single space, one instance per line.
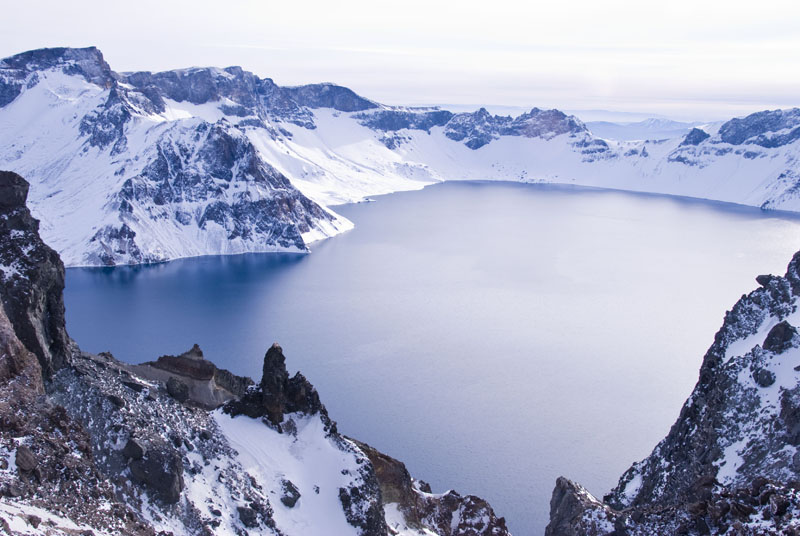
683 60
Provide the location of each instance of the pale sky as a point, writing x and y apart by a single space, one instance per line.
685 59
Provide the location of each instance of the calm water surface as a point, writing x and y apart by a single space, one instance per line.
493 336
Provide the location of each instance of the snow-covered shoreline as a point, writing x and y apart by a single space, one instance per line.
149 167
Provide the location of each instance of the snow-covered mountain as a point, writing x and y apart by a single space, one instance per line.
122 176
90 445
731 461
140 167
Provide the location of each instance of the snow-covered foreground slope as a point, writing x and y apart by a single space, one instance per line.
143 167
308 458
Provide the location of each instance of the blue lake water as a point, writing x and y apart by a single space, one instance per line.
493 336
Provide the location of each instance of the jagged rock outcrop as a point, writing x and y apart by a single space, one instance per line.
730 461
31 279
446 514
277 393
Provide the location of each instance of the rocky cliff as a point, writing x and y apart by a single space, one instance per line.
32 279
730 464
90 445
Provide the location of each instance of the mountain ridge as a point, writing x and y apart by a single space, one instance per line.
142 167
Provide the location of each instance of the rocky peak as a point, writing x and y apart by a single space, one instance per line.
695 137
86 62
277 393
481 127
770 128
544 124
329 96
31 279
200 85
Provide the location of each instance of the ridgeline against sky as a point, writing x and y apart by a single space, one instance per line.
684 59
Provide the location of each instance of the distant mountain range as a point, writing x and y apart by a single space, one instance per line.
648 129
145 167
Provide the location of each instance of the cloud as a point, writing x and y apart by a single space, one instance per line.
567 54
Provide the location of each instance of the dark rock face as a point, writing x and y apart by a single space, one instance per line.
392 120
773 128
248 516
568 505
190 363
277 394
31 279
695 137
56 469
731 447
191 378
477 128
254 97
106 125
118 244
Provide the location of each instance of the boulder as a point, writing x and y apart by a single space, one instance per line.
248 517
779 337
763 377
290 494
177 389
161 471
134 449
26 459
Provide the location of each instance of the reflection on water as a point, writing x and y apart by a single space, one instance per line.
492 336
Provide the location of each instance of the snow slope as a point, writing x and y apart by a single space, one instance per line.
309 459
